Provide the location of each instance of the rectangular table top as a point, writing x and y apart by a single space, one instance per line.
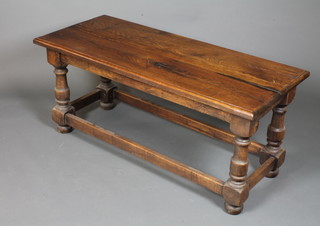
227 80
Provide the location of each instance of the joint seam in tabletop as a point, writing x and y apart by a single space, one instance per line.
104 19
81 28
303 73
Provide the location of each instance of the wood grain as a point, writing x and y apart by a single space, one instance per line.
227 80
235 87
153 90
196 176
208 130
261 172
259 71
85 100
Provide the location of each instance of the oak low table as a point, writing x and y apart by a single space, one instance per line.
231 86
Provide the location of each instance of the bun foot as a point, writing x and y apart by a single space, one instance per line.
273 173
107 106
234 210
64 129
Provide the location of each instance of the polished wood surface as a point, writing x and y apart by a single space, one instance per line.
186 121
196 176
232 86
234 82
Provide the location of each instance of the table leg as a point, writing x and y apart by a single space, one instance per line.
236 189
61 91
275 135
236 186
62 94
106 96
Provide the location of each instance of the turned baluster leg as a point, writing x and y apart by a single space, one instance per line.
236 190
106 95
275 135
62 92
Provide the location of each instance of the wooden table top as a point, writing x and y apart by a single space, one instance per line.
227 80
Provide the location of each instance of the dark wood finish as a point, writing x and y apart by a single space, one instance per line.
232 86
183 120
261 172
102 71
275 135
106 95
230 81
208 130
61 91
85 100
236 189
196 176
